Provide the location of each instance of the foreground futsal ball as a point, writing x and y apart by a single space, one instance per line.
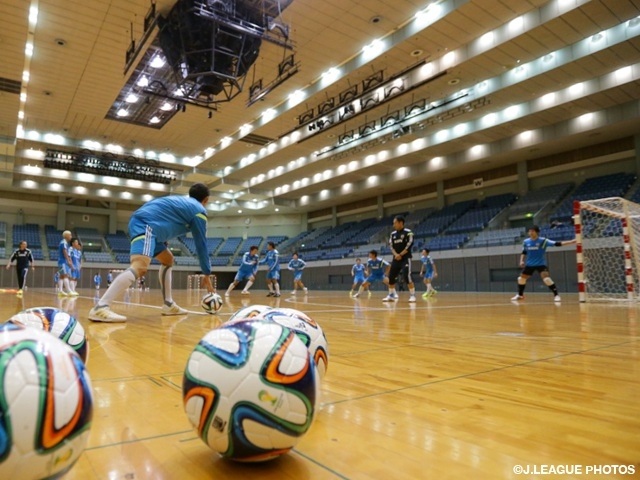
250 389
211 303
45 404
64 326
307 329
249 312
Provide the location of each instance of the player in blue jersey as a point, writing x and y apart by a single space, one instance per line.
246 271
271 260
296 265
533 251
358 273
75 252
97 280
378 269
428 272
65 265
150 228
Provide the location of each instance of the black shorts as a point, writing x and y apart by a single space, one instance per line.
398 268
529 270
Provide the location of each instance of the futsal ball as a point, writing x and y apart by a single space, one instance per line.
211 303
64 326
250 389
46 404
307 329
249 312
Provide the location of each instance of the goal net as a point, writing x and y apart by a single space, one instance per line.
608 249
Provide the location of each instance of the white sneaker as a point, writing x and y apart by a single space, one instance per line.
355 295
226 294
412 299
293 293
518 297
244 292
105 314
74 294
305 289
556 298
174 309
390 298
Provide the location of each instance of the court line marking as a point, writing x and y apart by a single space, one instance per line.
469 375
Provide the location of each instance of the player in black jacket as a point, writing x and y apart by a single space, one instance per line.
24 259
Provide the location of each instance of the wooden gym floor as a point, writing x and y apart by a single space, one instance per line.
457 386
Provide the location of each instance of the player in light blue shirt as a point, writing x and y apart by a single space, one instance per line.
271 260
378 269
75 252
246 271
297 265
358 273
97 280
150 228
533 250
65 265
428 272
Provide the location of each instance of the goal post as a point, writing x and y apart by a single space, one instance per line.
608 249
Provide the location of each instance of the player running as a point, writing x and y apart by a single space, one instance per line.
246 271
378 268
273 269
428 272
296 265
358 273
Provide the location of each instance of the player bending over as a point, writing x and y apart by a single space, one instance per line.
150 227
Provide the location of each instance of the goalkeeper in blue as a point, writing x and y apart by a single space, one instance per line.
296 265
150 228
533 259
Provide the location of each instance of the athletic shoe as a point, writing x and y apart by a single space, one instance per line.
390 298
556 298
305 289
74 294
369 293
244 292
276 294
518 297
425 294
355 295
270 294
62 293
351 293
293 293
105 314
174 309
412 299
19 293
226 294
434 291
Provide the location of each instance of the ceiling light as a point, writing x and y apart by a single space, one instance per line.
23 97
25 76
157 62
166 106
28 49
131 98
143 81
33 15
268 114
154 119
122 113
21 114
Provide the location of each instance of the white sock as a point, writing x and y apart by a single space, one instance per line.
231 287
392 291
412 290
65 283
277 288
270 285
247 286
119 285
60 285
165 284
73 284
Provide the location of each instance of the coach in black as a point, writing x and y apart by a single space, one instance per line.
23 258
401 242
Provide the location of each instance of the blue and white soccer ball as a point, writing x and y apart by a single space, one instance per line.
46 404
211 303
249 312
59 323
251 390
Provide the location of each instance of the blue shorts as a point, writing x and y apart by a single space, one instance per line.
374 278
143 241
75 274
273 274
297 276
64 269
243 275
428 276
358 278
